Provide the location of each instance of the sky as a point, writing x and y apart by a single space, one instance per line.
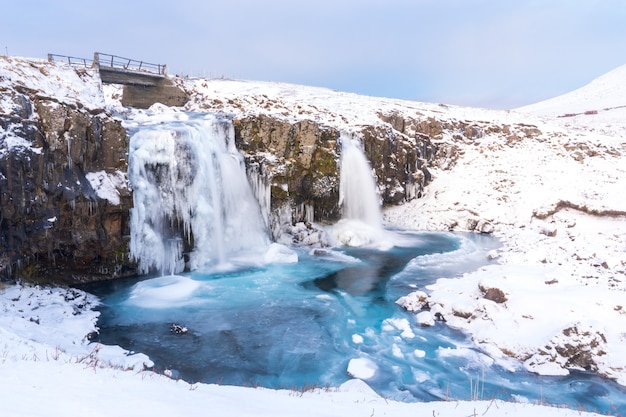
482 53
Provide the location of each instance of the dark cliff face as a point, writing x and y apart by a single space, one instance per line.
303 169
53 225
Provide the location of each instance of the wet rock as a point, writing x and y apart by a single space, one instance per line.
303 169
178 329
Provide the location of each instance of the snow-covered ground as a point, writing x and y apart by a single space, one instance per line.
556 201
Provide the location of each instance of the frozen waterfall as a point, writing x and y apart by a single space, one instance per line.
192 200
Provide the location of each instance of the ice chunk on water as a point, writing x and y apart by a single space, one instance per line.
163 292
278 253
419 353
362 368
425 318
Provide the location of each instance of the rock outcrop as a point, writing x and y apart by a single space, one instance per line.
303 163
54 225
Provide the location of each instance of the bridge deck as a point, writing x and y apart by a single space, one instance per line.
117 70
144 83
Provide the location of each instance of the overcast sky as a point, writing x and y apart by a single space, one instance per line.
486 53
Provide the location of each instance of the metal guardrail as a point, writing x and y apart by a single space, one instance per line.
71 60
113 61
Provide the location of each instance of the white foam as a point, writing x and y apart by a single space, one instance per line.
356 233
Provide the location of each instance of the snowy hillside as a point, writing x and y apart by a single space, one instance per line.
606 93
551 188
557 204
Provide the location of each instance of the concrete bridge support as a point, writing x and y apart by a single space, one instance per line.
144 96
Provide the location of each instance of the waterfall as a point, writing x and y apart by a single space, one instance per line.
193 204
361 222
357 190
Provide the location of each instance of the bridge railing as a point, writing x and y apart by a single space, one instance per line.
71 60
114 61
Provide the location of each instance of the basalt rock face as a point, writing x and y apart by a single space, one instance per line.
53 225
301 161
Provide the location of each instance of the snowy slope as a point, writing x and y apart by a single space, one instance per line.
602 94
50 79
599 106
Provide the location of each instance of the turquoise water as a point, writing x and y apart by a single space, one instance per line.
300 324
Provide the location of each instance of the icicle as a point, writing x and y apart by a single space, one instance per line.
68 139
261 189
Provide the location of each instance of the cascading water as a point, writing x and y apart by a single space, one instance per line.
357 192
361 222
191 194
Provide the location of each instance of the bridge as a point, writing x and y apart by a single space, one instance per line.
144 83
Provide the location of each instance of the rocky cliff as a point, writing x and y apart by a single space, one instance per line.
59 149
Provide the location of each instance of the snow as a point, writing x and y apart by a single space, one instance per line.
10 142
556 202
425 318
107 185
54 80
555 199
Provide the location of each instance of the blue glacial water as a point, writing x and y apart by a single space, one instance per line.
300 324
